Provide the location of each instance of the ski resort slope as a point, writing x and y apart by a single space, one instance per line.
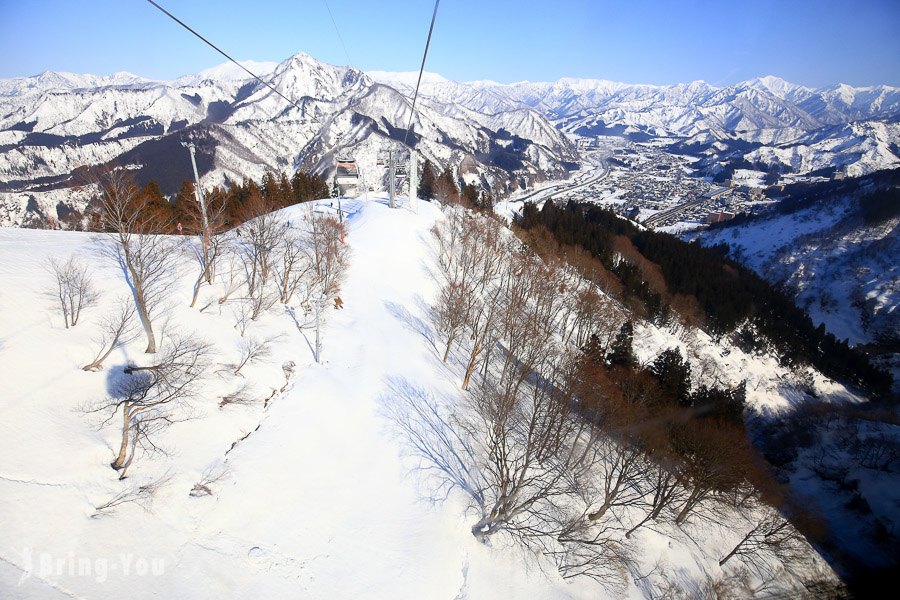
318 500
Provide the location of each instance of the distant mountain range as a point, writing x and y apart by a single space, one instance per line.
510 136
55 122
767 120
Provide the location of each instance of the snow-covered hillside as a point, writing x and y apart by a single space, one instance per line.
316 500
841 270
311 485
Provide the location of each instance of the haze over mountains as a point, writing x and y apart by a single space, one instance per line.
515 134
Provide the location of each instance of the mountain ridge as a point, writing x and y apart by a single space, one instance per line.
51 124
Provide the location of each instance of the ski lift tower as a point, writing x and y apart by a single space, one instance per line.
391 172
413 181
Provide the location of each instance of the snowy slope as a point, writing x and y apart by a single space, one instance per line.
318 500
319 495
844 273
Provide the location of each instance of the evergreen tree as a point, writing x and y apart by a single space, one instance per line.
270 190
426 181
621 353
449 181
485 202
285 190
185 202
674 376
470 195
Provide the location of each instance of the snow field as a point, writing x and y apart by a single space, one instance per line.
318 501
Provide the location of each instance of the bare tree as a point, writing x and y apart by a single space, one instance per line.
252 350
447 233
242 310
618 474
74 288
295 265
481 321
470 258
258 247
663 489
151 398
137 244
142 495
528 443
210 242
451 312
715 462
586 550
234 274
772 537
329 254
115 330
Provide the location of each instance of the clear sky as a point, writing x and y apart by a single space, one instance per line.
810 42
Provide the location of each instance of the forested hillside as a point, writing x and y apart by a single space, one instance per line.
664 277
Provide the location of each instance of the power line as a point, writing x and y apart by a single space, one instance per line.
216 48
421 70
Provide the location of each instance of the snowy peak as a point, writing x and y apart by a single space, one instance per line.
53 81
775 86
228 72
405 78
245 128
302 75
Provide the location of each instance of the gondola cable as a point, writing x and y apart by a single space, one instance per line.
216 48
337 31
421 70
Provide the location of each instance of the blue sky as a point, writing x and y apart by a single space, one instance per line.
814 43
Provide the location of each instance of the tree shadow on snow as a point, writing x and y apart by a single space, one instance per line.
414 323
431 434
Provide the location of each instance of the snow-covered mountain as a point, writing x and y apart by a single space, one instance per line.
760 102
52 81
787 125
51 124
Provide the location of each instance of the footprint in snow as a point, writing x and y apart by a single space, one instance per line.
267 559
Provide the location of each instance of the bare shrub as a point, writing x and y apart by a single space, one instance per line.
212 477
74 289
243 396
142 495
115 330
252 350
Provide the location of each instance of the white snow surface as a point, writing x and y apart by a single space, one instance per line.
321 498
319 501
